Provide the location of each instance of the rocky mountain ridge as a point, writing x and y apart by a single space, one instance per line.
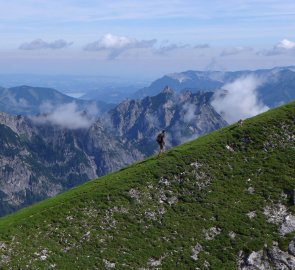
277 85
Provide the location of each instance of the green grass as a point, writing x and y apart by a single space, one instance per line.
100 221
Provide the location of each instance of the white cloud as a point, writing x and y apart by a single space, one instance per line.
116 45
39 44
285 46
20 103
66 116
190 112
238 100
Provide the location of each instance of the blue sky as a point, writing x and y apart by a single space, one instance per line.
144 38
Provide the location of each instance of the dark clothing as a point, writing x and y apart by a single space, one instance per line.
161 142
160 138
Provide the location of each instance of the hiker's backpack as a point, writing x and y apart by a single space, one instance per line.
159 138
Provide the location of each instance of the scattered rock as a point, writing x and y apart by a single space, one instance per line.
134 194
211 233
154 262
150 215
164 181
229 148
2 245
268 258
232 235
206 265
291 247
109 264
196 165
288 225
256 260
172 200
276 213
4 259
196 250
43 254
86 236
251 190
251 215
281 259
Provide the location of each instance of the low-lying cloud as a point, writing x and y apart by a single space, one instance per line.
285 46
190 112
66 115
39 44
236 50
116 45
238 99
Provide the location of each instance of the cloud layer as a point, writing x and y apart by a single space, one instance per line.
238 100
39 44
66 116
115 45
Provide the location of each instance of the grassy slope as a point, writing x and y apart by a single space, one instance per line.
157 210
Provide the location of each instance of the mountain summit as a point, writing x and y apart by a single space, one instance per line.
223 201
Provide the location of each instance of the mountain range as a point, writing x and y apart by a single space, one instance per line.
223 201
277 84
274 87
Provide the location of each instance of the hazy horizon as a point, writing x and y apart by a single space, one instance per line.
135 39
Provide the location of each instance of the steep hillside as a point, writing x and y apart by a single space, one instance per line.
223 201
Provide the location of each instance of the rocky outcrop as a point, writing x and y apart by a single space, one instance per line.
268 259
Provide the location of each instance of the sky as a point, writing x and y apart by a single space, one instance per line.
144 39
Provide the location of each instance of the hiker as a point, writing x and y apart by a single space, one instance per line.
240 122
161 141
